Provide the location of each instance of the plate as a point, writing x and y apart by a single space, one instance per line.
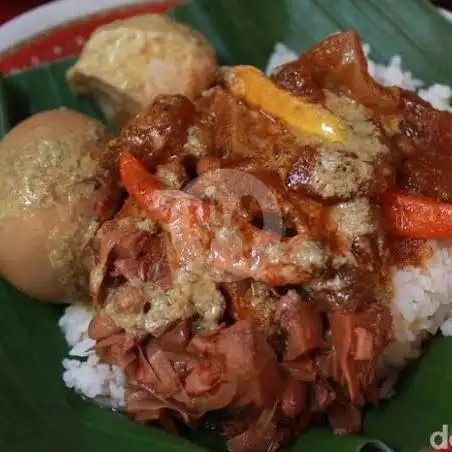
59 29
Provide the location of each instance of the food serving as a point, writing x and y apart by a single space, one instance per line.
270 251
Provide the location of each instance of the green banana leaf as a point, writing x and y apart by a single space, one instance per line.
37 412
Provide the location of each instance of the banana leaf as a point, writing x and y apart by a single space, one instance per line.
38 414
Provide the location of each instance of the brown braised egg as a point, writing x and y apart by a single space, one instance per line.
56 187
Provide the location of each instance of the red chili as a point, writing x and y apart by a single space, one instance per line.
417 216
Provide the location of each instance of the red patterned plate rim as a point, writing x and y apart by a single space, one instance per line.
67 39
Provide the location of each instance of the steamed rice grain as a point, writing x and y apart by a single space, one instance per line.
422 302
83 370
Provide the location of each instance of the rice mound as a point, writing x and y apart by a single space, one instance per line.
421 305
422 302
83 370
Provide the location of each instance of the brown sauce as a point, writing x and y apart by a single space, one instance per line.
409 252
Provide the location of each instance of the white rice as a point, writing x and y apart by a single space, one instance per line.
422 301
421 305
83 370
